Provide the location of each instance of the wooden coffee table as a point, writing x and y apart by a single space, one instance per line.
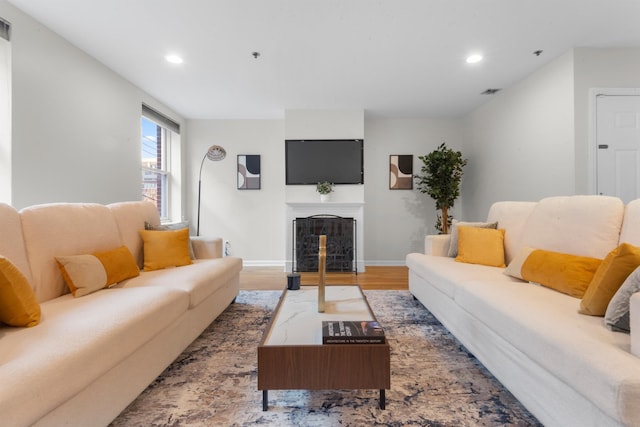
291 355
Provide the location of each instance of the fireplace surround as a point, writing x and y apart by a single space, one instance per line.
354 210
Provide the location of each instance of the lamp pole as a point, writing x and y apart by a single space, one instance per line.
214 153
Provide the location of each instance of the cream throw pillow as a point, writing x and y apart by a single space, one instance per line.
85 274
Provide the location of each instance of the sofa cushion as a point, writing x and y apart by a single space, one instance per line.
445 273
130 218
569 274
630 232
79 340
453 241
18 303
88 273
511 216
546 327
613 271
199 280
164 249
484 246
64 229
12 240
556 222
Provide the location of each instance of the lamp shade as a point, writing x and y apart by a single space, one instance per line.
216 153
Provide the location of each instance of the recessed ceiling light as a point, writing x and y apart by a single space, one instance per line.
174 59
474 59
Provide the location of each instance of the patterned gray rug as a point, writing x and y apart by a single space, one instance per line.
434 380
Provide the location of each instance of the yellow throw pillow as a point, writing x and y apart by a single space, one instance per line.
85 274
481 246
566 273
164 249
613 271
18 303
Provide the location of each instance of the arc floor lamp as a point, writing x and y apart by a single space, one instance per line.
215 153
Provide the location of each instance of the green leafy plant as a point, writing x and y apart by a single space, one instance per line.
324 187
440 179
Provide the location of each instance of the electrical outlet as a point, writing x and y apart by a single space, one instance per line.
226 249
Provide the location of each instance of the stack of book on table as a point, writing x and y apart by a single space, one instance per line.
352 332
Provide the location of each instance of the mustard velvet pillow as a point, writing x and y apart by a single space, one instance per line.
164 249
481 246
85 274
566 273
174 226
18 303
613 271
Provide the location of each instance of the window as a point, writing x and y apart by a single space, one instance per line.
5 112
159 157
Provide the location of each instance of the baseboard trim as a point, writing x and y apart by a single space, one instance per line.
281 263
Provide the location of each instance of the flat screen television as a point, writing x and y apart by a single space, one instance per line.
309 161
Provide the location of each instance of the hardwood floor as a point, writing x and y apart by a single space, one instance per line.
274 278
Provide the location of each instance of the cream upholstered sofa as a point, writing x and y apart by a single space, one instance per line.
567 368
90 356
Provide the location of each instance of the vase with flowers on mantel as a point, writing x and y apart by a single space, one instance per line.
325 189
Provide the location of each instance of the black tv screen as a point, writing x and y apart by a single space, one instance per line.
339 161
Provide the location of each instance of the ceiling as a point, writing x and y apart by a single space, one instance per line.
392 58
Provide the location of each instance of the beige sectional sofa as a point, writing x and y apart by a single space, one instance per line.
90 356
567 368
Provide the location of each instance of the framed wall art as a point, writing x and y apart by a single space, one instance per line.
401 172
248 172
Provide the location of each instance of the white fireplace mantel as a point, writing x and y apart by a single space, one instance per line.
353 210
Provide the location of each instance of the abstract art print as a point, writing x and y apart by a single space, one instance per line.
401 171
248 172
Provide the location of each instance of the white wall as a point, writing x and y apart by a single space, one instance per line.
76 124
598 68
5 121
252 220
324 124
520 145
397 220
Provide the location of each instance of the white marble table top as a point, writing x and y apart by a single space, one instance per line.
298 321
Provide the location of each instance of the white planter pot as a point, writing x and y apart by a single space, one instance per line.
325 197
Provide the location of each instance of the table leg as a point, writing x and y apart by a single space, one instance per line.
265 400
382 399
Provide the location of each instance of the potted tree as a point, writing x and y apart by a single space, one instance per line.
440 179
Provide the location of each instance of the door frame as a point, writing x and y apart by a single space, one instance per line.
592 152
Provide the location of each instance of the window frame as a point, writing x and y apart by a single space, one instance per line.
168 131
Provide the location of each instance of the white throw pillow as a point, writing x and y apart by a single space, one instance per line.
617 315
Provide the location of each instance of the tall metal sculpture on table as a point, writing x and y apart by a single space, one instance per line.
322 265
214 153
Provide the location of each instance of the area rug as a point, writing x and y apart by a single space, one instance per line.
434 380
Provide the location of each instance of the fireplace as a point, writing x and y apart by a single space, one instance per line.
341 249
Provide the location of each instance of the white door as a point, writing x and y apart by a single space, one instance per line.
618 146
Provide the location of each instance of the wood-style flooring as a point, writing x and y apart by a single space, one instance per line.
275 278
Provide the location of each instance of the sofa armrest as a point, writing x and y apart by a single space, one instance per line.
207 247
634 323
437 244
